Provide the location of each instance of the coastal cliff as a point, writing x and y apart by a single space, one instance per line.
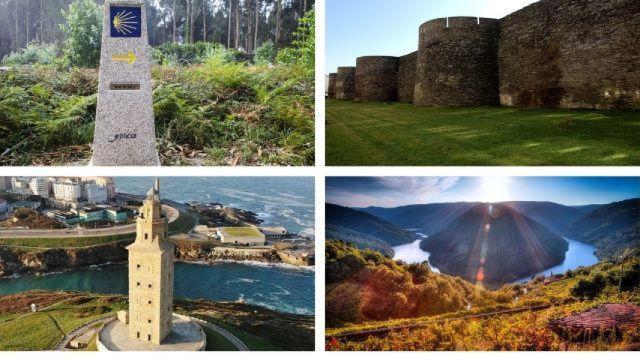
16 261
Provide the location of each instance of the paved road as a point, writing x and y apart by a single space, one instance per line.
65 233
229 336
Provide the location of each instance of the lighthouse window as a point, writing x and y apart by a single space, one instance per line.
146 236
149 302
148 337
138 284
149 286
148 321
138 334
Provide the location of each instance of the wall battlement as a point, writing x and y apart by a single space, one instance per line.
377 78
552 53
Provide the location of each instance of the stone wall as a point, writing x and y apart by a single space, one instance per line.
377 78
346 83
457 62
331 91
571 54
407 77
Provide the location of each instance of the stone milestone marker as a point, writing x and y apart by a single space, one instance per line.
125 128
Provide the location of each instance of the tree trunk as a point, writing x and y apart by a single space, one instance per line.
40 14
191 22
17 32
278 23
236 41
229 26
204 20
255 35
175 9
28 23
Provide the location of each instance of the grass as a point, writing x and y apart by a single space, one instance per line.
66 242
42 330
217 342
183 224
242 231
253 342
381 134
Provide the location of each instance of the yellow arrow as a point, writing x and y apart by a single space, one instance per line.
130 57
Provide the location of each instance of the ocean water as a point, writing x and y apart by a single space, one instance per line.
284 289
286 201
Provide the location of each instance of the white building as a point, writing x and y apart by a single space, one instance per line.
95 193
39 186
249 236
21 186
67 190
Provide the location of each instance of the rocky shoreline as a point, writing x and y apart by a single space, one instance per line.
15 261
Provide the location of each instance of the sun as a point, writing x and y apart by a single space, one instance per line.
494 189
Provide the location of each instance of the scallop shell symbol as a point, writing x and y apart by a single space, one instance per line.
124 22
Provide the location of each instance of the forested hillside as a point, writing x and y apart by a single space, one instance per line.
494 244
366 224
363 285
612 228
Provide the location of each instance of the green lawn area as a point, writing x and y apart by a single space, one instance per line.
183 224
42 330
253 342
66 242
381 134
217 342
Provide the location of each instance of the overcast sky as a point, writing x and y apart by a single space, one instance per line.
382 27
398 191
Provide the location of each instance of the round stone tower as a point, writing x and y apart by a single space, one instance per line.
458 62
377 78
346 83
331 91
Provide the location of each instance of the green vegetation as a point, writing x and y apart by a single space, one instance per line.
525 329
210 109
43 329
84 33
401 134
43 54
260 329
242 231
183 224
366 286
253 342
217 342
66 242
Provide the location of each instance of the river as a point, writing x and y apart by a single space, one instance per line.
579 254
275 287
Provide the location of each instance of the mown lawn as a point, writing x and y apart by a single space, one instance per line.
381 134
42 330
217 342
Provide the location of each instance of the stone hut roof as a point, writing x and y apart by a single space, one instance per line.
604 319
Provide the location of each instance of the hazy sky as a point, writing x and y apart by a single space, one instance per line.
398 191
382 27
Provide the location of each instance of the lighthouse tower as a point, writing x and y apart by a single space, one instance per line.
151 259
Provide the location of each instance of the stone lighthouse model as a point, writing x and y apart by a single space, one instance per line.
151 259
